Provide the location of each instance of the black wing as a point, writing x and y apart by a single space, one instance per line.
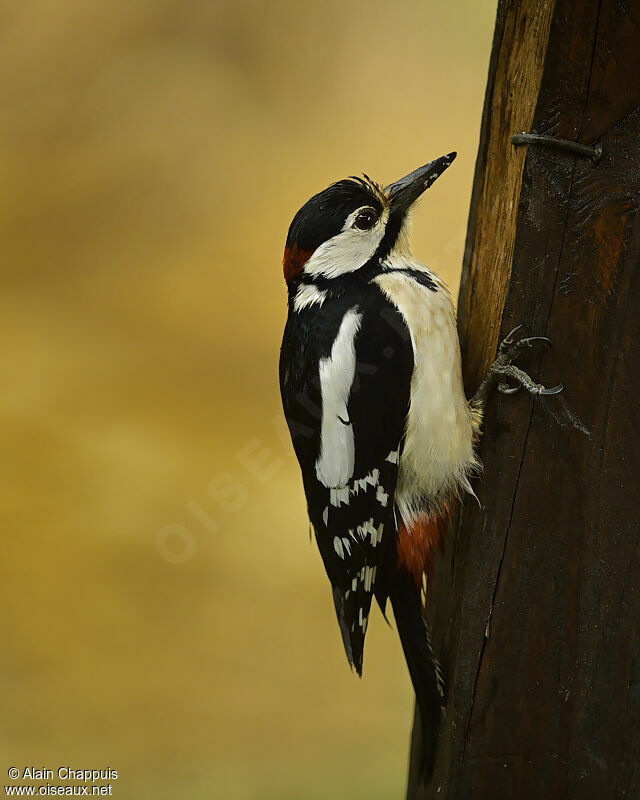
354 522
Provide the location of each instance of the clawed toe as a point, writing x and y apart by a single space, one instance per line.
532 341
504 388
510 349
522 381
504 368
509 339
554 389
532 388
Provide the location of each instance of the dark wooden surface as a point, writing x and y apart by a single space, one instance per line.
536 607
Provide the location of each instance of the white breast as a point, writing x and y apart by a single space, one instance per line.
438 450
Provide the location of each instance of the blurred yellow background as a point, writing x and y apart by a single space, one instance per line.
163 612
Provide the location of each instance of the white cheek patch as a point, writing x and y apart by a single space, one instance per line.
349 250
334 466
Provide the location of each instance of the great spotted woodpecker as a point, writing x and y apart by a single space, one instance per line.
371 384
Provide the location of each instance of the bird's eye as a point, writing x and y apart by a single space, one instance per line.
365 220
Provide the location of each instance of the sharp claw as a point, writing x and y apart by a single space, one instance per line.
534 340
554 389
504 388
508 338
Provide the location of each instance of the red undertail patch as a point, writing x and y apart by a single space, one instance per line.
417 544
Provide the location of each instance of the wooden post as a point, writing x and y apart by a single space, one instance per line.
536 604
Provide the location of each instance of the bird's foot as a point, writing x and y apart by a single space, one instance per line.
503 368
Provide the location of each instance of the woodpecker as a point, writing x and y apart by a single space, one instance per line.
371 385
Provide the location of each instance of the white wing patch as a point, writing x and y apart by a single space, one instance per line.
334 466
338 496
382 497
367 528
369 480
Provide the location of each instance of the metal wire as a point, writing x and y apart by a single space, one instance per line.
594 154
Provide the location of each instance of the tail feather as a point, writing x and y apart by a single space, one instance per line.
352 609
424 669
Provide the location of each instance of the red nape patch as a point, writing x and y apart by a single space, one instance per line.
294 260
418 542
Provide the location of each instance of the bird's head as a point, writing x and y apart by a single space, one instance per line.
352 223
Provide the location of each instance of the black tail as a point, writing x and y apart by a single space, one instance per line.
424 669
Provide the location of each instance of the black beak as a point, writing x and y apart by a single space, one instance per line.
407 190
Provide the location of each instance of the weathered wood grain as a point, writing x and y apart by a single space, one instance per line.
536 607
